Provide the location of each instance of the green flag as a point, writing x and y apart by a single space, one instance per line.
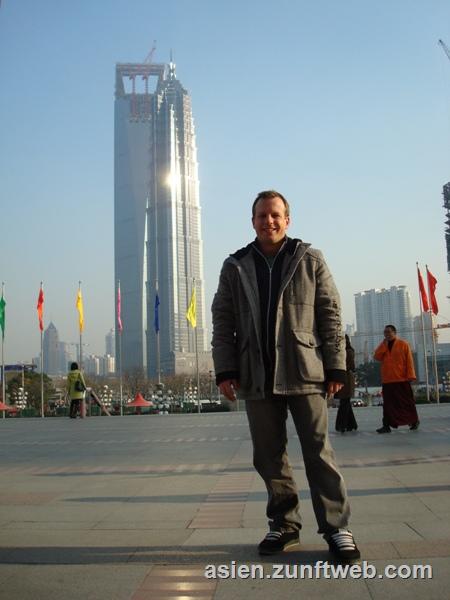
2 315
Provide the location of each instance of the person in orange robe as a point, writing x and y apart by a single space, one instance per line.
397 372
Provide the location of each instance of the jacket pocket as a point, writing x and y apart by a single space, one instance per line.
308 356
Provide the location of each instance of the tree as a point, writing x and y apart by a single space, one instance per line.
368 374
134 381
32 384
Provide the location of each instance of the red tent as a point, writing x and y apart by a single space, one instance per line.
139 402
6 407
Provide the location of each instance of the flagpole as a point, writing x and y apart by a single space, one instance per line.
196 348
158 350
3 358
198 373
119 329
436 381
80 353
42 350
423 337
42 376
120 373
81 320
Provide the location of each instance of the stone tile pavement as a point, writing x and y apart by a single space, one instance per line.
136 508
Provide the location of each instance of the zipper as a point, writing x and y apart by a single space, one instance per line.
270 296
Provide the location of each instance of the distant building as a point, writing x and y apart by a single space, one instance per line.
376 308
91 365
350 330
442 351
446 194
157 225
65 357
51 351
419 336
107 365
110 343
102 366
442 361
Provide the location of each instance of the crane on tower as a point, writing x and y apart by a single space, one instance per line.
149 57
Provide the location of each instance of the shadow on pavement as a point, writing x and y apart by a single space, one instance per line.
252 496
167 555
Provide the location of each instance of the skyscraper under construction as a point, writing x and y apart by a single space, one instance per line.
157 229
446 194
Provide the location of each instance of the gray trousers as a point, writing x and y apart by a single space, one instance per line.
267 420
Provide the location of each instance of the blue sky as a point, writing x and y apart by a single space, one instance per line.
342 106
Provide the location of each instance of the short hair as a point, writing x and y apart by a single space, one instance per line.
270 194
74 366
391 327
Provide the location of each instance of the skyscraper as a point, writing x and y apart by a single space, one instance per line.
446 194
374 310
110 346
158 245
51 351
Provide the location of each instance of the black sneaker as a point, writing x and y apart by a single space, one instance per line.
384 429
277 541
342 545
414 426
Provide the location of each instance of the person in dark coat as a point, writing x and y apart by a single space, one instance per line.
345 419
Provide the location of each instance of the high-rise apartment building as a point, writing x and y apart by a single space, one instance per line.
375 309
51 351
110 343
158 245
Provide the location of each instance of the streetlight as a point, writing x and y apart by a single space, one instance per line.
106 396
446 382
20 398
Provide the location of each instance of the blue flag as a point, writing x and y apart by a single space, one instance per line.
156 321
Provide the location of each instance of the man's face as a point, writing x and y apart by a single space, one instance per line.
270 221
389 334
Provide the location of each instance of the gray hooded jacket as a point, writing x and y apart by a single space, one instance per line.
309 344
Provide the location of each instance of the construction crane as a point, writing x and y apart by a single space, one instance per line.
149 57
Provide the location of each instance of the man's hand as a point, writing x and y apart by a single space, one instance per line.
333 388
228 387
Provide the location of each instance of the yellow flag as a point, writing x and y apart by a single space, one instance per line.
79 306
191 314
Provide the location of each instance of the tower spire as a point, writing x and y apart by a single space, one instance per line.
172 66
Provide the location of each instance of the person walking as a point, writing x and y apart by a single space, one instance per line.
277 342
345 419
397 372
76 387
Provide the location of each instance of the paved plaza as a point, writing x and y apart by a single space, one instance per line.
135 508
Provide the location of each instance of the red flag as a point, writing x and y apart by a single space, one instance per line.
40 309
423 293
432 281
119 318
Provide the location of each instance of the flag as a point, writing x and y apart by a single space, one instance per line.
119 318
156 319
79 305
2 315
423 293
432 281
40 309
191 314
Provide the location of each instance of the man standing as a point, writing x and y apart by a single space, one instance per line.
277 341
397 371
